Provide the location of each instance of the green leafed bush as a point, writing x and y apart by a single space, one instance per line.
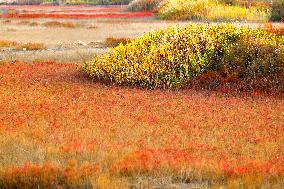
172 57
144 5
277 10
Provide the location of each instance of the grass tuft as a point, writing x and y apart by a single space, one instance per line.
113 42
20 46
31 46
55 24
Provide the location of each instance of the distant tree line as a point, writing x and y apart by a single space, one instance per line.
95 2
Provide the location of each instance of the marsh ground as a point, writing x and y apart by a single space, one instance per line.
51 112
72 44
78 43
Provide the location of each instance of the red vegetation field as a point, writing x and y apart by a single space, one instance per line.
70 12
51 114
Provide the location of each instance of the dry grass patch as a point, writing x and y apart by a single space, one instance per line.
11 30
34 24
23 22
55 24
31 46
92 27
113 42
20 46
6 43
7 22
28 23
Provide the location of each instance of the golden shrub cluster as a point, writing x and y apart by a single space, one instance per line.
208 10
170 58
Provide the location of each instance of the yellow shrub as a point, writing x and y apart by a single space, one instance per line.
233 13
170 58
207 10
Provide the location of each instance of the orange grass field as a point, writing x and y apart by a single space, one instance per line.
59 128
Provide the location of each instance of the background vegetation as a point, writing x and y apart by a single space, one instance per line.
150 5
208 10
277 10
213 10
95 2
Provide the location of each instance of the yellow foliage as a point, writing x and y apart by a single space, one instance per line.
170 58
208 10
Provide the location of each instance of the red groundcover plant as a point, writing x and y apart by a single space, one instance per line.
79 12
